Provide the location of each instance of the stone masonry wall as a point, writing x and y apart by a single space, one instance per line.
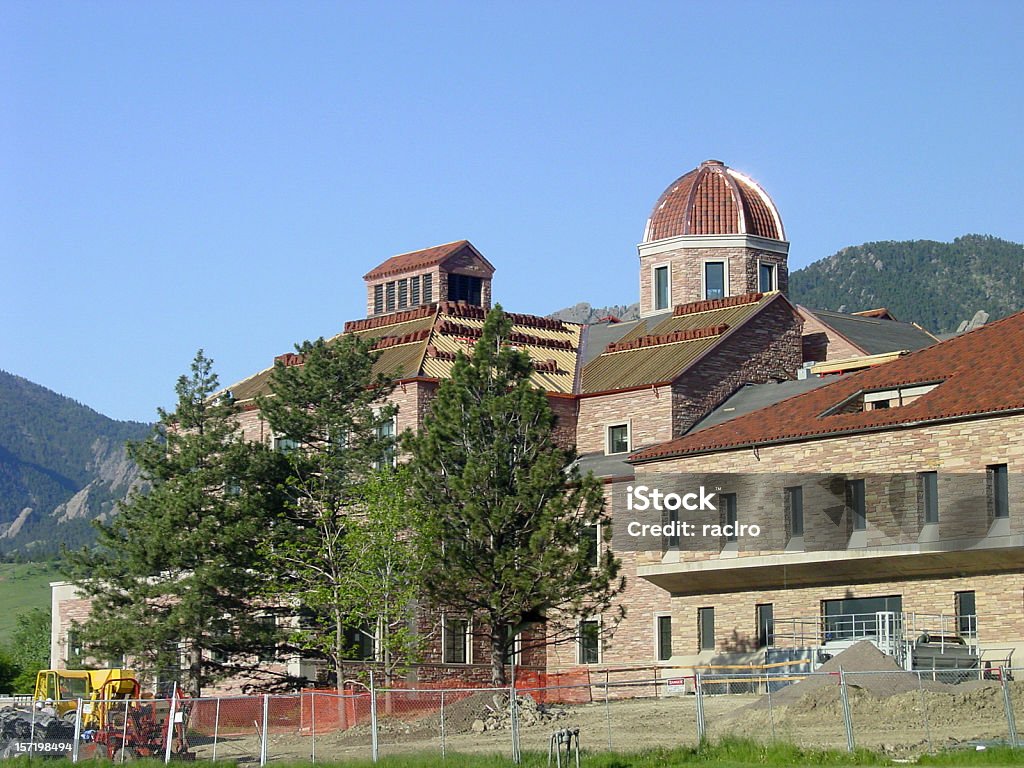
648 411
766 348
686 272
961 447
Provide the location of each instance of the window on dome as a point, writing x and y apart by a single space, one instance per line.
714 280
661 292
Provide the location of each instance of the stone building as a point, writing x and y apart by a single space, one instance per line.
717 338
888 503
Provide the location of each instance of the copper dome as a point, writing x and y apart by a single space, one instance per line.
714 200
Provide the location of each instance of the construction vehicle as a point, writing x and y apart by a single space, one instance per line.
141 727
93 686
117 721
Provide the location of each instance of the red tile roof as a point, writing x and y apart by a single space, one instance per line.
714 200
981 372
428 257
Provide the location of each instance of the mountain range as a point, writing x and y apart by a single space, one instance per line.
62 465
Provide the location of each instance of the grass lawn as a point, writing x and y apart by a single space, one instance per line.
23 586
729 754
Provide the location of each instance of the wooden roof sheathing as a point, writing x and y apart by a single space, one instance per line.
436 330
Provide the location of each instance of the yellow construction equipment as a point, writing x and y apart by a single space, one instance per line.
94 686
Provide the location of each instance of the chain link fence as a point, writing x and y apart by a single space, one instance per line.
893 711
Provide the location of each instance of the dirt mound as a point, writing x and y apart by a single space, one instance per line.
867 669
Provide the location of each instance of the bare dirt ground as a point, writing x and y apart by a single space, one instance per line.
891 710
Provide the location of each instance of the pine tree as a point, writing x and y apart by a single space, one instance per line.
506 510
331 419
174 580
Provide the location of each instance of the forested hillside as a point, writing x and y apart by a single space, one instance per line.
61 465
938 285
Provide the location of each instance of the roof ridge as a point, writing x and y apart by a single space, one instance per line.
709 305
661 339
381 321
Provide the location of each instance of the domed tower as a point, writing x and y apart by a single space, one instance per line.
713 233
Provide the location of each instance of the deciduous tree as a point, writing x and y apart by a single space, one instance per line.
328 409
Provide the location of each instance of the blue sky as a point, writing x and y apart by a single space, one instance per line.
220 175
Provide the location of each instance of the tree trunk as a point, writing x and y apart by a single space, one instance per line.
339 667
498 631
194 685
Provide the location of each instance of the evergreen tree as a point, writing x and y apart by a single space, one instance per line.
506 509
174 580
333 426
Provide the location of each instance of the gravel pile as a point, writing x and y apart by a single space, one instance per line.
530 713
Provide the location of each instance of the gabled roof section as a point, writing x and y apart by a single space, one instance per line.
424 342
875 334
978 374
428 257
659 349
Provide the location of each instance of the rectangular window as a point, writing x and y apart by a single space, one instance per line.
378 299
414 291
672 540
590 642
966 614
766 277
794 501
359 643
456 641
590 537
765 625
386 434
403 293
269 626
75 647
664 638
929 496
728 512
714 280
999 491
858 617
514 653
706 629
428 289
855 504
285 445
389 297
661 294
618 438
465 288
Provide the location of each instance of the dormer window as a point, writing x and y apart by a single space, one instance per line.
880 399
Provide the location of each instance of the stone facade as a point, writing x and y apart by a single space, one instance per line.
647 411
766 349
960 452
686 269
